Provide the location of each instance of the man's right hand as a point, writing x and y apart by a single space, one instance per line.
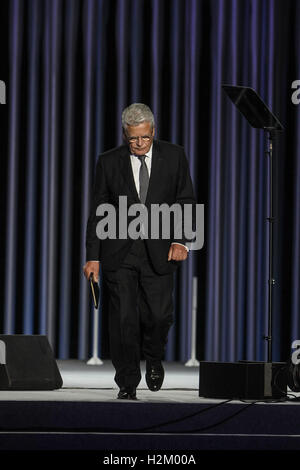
91 267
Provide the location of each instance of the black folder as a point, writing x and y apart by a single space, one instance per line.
95 290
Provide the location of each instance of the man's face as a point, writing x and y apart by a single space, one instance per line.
139 138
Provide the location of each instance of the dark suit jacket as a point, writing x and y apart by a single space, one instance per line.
170 183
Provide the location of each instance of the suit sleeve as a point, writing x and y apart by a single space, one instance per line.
99 196
185 196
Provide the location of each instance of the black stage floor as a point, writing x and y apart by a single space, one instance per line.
85 415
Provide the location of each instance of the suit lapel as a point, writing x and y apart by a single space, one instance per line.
126 170
155 171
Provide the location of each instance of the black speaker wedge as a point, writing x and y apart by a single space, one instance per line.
243 380
27 363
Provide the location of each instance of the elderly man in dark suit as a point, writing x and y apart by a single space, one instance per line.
138 270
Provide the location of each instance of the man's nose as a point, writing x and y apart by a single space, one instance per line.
139 141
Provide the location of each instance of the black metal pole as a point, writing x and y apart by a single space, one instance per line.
271 280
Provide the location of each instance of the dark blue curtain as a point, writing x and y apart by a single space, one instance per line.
71 67
255 43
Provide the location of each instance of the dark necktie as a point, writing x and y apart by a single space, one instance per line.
144 178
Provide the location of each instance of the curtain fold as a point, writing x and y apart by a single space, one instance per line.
294 291
14 92
71 25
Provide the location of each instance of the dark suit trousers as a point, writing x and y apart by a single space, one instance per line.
140 314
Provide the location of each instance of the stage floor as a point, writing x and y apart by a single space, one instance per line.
82 382
85 415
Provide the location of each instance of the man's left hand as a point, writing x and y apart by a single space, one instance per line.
177 253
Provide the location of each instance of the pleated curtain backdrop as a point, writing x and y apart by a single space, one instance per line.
256 44
73 66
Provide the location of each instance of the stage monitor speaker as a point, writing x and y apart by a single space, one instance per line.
243 380
27 363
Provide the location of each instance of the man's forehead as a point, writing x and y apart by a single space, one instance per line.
140 127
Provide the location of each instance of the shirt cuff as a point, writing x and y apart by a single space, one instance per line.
176 243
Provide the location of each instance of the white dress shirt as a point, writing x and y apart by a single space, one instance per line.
135 165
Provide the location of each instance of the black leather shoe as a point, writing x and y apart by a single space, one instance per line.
154 375
126 393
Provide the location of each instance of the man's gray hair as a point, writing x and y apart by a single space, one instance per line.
135 114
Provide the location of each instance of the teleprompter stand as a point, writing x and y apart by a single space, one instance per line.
246 379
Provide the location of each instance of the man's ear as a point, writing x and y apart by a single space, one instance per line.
153 131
